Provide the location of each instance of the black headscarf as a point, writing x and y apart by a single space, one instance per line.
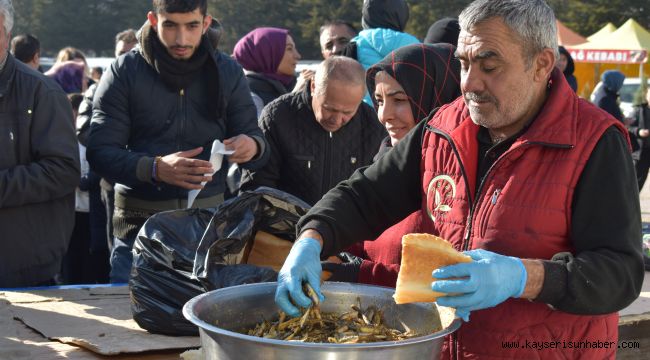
429 74
385 14
445 30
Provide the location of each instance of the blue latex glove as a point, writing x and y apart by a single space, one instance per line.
302 265
488 281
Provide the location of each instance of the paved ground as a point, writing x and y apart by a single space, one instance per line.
642 304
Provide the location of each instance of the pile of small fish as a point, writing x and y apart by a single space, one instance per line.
352 327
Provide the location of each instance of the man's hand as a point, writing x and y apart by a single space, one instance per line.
244 146
304 77
644 133
485 282
181 170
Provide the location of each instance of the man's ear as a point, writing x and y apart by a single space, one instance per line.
544 64
207 21
153 20
312 86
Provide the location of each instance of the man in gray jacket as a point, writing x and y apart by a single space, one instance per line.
39 169
156 113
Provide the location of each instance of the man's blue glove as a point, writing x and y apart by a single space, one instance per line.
489 280
302 265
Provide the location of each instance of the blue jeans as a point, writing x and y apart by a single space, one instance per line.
121 260
126 225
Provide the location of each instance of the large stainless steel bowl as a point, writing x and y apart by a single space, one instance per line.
220 313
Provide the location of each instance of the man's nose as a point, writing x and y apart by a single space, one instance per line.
471 80
339 119
337 47
181 37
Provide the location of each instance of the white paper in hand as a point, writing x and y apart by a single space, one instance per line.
216 158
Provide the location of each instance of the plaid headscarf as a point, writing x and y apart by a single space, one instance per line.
429 74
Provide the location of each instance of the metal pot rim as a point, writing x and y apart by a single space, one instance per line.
209 327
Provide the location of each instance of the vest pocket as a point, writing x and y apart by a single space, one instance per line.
489 207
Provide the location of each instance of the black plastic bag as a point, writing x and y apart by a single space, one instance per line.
183 253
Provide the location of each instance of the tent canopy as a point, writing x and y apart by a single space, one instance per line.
567 37
630 36
627 45
603 32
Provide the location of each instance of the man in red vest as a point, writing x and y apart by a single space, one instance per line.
534 183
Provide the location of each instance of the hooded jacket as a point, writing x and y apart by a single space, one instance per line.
39 170
606 96
383 25
570 68
387 14
137 117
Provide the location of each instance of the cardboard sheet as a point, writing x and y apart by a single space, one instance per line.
96 319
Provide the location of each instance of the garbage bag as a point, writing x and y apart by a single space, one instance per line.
180 254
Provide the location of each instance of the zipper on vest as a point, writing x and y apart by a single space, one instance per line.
468 224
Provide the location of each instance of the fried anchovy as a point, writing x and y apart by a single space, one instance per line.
356 326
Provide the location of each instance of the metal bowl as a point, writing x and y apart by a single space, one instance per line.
221 313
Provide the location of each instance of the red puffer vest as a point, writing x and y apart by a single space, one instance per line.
522 209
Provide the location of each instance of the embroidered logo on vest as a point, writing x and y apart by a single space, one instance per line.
440 193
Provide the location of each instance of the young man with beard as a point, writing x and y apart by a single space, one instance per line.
155 115
536 184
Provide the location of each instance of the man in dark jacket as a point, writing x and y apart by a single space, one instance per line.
39 169
156 113
318 136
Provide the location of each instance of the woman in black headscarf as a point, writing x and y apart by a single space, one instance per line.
406 86
409 83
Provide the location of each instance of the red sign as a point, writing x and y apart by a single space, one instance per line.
609 56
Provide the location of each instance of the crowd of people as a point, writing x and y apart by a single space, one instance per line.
476 135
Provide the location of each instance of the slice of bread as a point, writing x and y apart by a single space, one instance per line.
421 254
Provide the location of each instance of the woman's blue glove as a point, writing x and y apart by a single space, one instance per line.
302 265
489 280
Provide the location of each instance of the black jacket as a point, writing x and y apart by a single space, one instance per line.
266 88
39 170
136 117
307 160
